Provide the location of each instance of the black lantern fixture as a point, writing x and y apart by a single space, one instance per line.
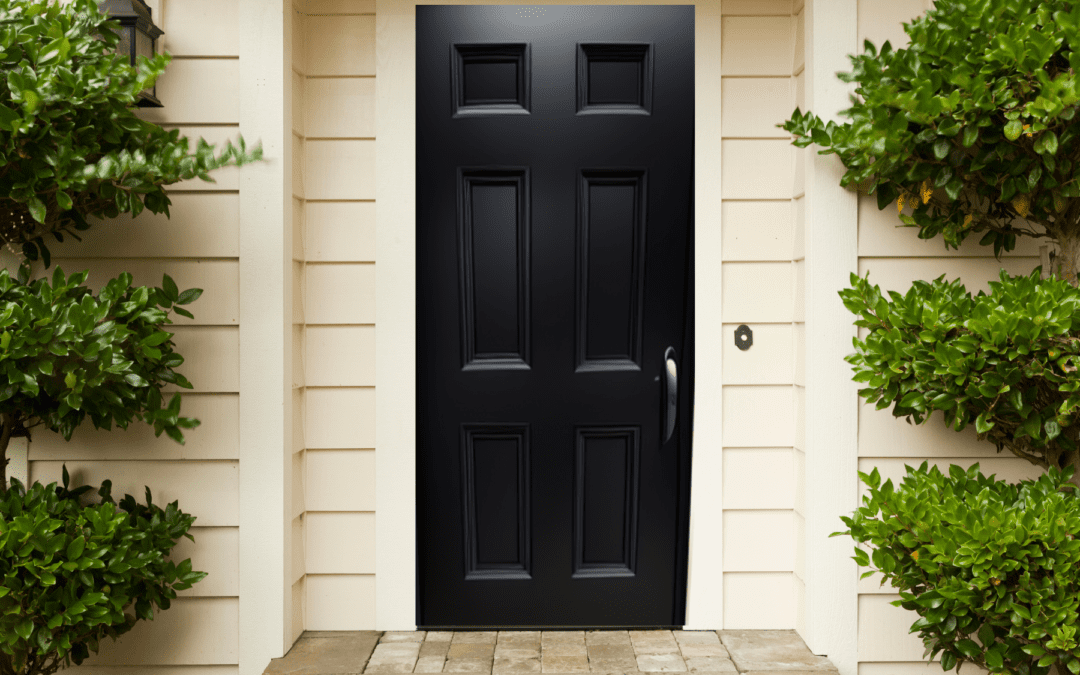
138 37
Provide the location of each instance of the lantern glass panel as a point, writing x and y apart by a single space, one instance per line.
123 48
144 46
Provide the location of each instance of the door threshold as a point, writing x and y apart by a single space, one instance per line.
542 628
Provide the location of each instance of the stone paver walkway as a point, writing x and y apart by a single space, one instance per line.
615 652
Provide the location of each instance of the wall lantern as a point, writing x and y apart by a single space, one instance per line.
138 37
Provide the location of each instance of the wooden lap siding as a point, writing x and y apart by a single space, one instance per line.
198 247
334 317
895 257
759 47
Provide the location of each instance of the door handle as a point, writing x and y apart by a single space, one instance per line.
671 393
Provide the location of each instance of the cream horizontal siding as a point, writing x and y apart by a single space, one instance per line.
198 246
754 46
202 28
340 293
758 227
218 101
759 478
757 7
768 361
759 600
756 168
341 480
340 46
761 292
199 225
205 489
340 601
216 551
756 231
216 438
340 232
193 631
334 314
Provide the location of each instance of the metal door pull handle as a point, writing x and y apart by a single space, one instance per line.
671 393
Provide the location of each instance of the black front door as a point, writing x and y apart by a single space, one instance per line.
554 278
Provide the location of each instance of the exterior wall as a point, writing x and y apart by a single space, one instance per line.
199 247
758 185
334 315
894 257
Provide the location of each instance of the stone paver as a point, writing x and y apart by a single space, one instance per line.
696 637
598 652
516 664
467 666
607 637
654 642
565 649
338 653
563 636
470 650
709 664
690 650
661 663
429 664
476 636
771 650
564 664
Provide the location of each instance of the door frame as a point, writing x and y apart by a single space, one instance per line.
396 556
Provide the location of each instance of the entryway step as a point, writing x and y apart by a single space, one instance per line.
622 652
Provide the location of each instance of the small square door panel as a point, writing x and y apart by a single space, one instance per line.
490 79
614 78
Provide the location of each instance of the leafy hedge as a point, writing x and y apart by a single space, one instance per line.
66 353
70 571
979 558
1005 362
973 125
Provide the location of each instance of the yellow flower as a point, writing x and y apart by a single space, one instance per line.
1021 203
915 556
900 204
995 581
926 191
1026 126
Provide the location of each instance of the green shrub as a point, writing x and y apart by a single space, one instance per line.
66 353
991 568
70 571
1005 362
973 125
71 145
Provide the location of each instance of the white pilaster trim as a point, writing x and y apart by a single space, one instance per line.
395 315
831 241
265 333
